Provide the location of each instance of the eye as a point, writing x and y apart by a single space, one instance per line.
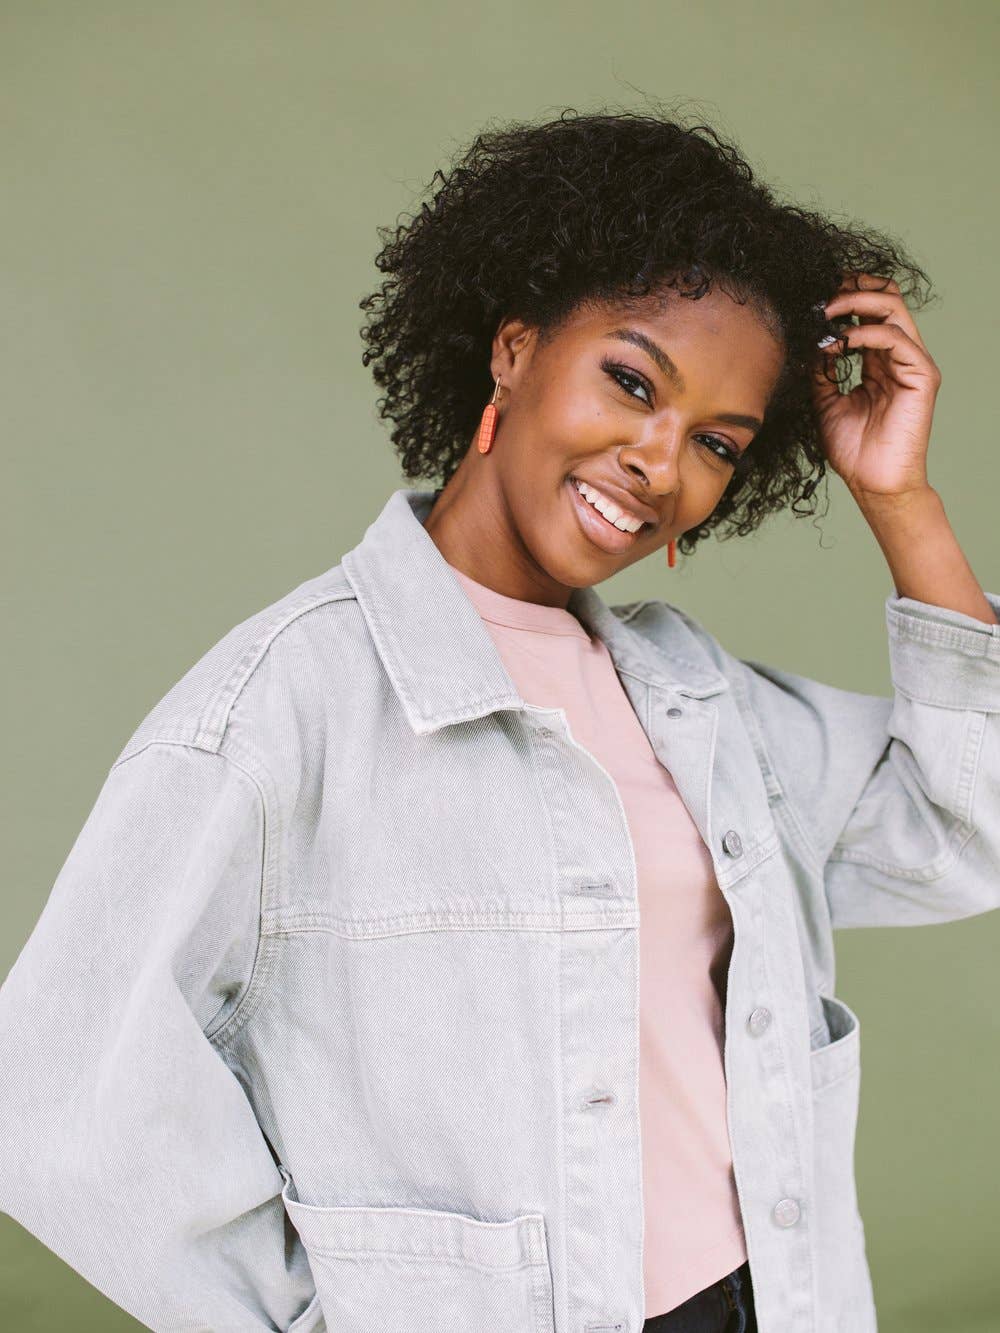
630 379
721 448
625 378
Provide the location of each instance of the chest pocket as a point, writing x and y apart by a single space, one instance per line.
425 1270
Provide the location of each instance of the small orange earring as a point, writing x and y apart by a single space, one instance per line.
488 423
671 553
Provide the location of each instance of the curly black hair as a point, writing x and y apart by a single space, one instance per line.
535 220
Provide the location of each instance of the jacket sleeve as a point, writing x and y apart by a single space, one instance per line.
128 1146
897 800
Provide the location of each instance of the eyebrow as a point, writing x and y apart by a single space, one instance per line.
656 353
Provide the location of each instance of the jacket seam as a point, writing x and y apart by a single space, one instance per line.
958 835
782 800
554 861
908 692
933 634
249 985
937 868
931 870
261 969
218 710
969 774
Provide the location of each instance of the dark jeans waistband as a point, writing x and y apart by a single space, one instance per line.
724 1307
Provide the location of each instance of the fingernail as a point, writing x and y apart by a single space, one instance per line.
830 338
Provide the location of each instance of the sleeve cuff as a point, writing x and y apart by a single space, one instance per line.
944 657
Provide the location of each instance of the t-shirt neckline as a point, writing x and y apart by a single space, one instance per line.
516 613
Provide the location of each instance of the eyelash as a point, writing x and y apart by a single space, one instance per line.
619 372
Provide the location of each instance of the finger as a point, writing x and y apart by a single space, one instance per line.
872 282
890 291
872 306
907 359
825 390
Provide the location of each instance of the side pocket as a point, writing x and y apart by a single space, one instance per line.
844 1288
425 1270
835 1071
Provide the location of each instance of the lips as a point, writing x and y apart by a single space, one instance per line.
623 499
596 527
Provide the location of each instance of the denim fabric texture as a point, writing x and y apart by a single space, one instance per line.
330 1020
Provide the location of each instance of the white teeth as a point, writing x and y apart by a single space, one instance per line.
608 508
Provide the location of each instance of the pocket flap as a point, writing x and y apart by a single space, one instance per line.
418 1233
424 1269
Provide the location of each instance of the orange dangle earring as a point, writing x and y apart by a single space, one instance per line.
488 423
671 553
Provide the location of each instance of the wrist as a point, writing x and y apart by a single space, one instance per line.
917 501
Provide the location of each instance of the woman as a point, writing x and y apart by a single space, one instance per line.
339 1014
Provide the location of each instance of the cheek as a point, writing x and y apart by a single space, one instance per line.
701 487
572 416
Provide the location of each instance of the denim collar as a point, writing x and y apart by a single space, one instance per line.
439 656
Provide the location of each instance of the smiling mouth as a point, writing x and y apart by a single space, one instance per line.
599 529
644 525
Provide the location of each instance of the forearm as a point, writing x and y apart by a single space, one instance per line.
923 553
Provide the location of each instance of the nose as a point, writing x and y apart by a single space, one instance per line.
656 461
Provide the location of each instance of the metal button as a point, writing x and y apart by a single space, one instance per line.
674 712
786 1212
733 843
759 1020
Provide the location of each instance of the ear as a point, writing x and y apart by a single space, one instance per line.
513 345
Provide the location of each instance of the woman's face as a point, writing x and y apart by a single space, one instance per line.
649 410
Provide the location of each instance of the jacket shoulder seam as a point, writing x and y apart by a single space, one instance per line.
208 730
215 720
266 896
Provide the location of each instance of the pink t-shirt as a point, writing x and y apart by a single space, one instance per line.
693 1232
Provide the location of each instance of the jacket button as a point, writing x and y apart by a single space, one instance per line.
545 733
733 843
674 712
786 1212
759 1020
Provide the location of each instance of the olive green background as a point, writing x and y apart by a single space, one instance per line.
190 197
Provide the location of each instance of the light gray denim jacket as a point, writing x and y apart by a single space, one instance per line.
330 1020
